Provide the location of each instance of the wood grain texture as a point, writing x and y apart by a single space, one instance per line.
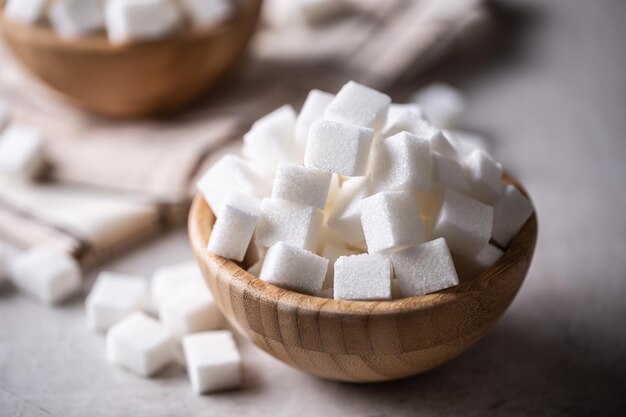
135 79
361 341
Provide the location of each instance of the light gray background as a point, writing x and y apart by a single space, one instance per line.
554 101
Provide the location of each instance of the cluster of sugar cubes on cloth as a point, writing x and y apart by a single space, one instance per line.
356 196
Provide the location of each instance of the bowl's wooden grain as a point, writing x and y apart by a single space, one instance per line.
135 79
361 341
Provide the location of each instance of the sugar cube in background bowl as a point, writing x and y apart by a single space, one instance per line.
25 11
130 20
370 200
48 274
205 13
21 152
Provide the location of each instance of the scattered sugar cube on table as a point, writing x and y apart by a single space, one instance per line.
167 279
312 110
191 309
510 213
358 105
140 344
213 361
339 148
390 221
74 18
300 184
465 223
485 175
204 13
113 297
130 20
235 226
230 173
292 223
21 152
294 268
345 215
46 273
25 11
424 268
443 104
362 277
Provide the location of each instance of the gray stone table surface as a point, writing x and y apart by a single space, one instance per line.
555 105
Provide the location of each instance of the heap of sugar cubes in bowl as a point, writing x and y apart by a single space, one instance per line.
356 198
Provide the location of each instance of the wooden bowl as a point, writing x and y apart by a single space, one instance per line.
136 79
361 341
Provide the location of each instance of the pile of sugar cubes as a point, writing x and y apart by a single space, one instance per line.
123 20
356 198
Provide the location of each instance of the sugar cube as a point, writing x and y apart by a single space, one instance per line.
411 122
140 344
359 105
316 11
113 297
425 268
449 173
234 226
21 152
46 273
485 175
300 184
465 142
312 110
441 143
340 148
25 11
397 110
363 277
74 18
271 140
391 221
128 20
204 13
191 309
465 223
332 252
294 268
488 256
402 162
292 223
345 215
468 268
166 280
442 104
213 361
4 114
230 173
510 213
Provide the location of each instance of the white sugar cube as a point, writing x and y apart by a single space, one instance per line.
510 213
292 223
204 13
340 148
4 114
485 175
113 297
294 268
25 11
166 280
74 18
402 162
234 226
129 20
397 110
424 268
46 273
363 277
312 110
21 152
191 309
449 173
140 344
441 143
316 11
230 173
411 122
213 361
359 105
391 221
473 267
466 142
465 223
271 140
332 252
442 104
345 215
300 184
488 256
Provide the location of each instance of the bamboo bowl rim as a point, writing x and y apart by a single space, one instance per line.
200 226
98 42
